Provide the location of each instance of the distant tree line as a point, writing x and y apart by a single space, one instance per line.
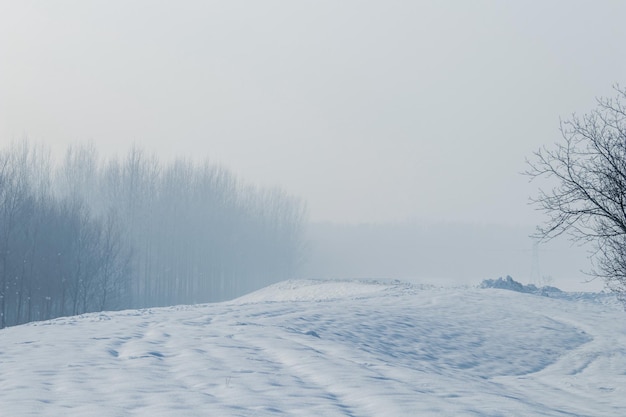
90 233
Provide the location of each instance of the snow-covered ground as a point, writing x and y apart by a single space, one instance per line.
315 348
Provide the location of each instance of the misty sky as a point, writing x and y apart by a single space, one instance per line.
370 111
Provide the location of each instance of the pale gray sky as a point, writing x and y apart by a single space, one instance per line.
370 110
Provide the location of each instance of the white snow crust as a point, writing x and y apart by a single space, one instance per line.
327 348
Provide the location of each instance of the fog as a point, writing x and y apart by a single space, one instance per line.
410 119
444 254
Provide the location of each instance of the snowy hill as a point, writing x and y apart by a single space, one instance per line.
327 348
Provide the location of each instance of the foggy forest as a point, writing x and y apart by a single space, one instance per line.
88 233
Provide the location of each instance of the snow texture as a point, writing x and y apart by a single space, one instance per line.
327 348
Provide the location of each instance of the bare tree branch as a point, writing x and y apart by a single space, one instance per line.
588 197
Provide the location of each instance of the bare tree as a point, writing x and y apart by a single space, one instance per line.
587 175
93 233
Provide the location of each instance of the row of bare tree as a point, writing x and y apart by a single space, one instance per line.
91 233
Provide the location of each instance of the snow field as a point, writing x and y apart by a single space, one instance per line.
337 348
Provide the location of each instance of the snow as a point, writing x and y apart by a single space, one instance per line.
328 348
